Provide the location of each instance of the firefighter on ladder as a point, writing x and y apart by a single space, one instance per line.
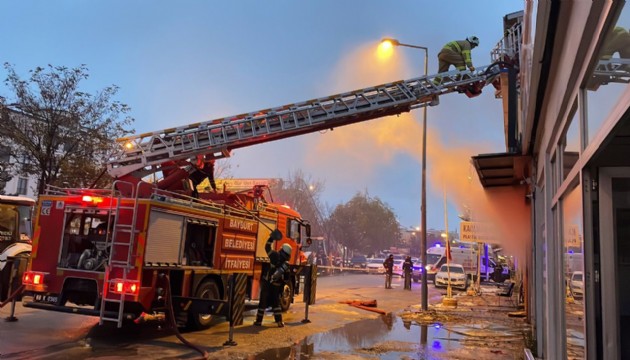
457 53
272 279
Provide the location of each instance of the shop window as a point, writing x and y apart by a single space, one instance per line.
570 144
22 186
573 268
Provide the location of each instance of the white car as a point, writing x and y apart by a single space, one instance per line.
398 266
459 278
375 266
576 284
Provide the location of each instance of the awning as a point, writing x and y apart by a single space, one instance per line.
501 169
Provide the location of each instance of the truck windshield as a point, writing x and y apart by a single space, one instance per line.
433 258
15 224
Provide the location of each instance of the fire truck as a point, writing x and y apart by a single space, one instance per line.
122 252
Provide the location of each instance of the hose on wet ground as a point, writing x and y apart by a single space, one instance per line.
15 293
171 319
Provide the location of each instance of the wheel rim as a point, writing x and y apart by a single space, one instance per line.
285 298
208 293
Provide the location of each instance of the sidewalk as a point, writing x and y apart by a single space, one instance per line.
485 326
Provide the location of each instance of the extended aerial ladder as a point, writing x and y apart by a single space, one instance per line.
144 154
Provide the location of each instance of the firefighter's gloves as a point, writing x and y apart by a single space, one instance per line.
472 68
279 273
275 236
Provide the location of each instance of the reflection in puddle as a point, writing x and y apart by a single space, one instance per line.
386 338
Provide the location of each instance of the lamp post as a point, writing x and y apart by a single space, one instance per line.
423 208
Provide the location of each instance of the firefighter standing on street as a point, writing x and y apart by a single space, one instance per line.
457 53
388 264
273 279
407 269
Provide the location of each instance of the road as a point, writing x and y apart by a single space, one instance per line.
49 335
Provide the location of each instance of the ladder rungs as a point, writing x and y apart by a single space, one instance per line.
113 300
121 262
109 319
121 243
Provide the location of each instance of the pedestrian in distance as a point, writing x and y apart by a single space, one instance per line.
407 270
457 53
388 264
272 279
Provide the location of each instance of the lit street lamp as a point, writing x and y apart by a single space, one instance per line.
386 42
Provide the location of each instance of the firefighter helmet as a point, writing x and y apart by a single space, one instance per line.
286 248
473 40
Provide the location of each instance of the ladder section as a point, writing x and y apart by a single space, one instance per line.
218 137
121 276
613 70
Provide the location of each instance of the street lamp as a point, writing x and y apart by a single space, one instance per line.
423 212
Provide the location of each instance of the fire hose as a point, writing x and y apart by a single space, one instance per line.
171 318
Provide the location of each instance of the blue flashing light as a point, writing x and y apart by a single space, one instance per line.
437 245
436 345
570 251
461 246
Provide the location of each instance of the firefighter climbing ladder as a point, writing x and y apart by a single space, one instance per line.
144 153
124 230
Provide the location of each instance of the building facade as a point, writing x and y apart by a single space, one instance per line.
573 161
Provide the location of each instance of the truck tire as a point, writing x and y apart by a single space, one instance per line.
208 289
286 297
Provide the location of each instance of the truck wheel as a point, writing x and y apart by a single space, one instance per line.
207 290
286 296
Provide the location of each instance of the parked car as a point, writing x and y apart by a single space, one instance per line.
398 266
576 284
375 266
459 278
359 262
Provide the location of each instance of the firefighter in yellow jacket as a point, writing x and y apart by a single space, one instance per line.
457 53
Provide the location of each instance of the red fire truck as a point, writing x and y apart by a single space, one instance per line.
99 252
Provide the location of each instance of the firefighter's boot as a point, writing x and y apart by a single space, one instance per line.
259 317
277 315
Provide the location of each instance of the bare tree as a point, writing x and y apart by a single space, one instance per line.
56 131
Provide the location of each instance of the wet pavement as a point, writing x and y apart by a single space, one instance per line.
478 328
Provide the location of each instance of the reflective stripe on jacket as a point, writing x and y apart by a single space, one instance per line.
461 47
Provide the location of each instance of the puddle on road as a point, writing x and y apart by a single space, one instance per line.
388 337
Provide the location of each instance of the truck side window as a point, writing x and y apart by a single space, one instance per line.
294 230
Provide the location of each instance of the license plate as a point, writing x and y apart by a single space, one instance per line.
49 299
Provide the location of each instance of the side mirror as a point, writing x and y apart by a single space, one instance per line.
308 230
309 241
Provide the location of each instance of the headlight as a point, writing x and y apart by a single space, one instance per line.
428 267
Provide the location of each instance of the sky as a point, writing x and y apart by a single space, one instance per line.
181 62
